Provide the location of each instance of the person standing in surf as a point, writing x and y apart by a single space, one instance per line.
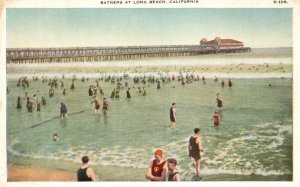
97 104
195 148
128 94
63 110
219 101
173 114
173 174
216 118
85 172
229 83
157 169
105 106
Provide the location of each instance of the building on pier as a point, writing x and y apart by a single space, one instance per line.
219 43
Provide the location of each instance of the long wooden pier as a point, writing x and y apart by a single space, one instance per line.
94 54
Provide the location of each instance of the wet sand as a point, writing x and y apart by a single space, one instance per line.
27 169
25 173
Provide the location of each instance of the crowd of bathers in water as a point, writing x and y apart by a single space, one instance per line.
158 167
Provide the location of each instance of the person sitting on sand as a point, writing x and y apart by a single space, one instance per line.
157 169
173 174
85 172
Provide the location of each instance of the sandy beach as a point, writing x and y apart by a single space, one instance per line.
26 169
25 173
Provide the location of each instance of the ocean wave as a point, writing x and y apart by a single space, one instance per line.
154 74
237 156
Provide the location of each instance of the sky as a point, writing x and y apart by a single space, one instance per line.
96 27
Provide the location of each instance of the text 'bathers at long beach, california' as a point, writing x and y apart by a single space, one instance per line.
148 2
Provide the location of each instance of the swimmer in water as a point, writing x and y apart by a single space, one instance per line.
55 137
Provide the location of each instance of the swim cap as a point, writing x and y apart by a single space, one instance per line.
159 153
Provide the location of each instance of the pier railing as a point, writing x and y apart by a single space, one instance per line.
78 54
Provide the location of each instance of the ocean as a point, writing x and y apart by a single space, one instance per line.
253 142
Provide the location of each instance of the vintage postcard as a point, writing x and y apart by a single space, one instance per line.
151 90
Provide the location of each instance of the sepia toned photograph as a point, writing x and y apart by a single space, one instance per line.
149 94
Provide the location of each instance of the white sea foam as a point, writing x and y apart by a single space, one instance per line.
230 157
155 74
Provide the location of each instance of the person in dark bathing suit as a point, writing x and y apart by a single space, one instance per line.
97 104
173 174
85 172
105 106
19 105
128 93
229 83
63 110
219 101
173 115
195 148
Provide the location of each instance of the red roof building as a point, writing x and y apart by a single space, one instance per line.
219 43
